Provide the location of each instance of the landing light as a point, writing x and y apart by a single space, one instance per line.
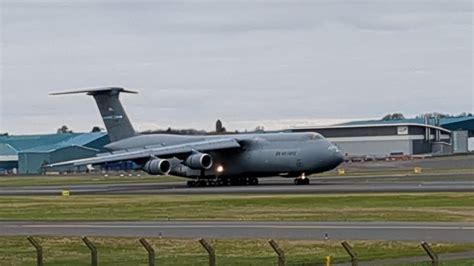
220 169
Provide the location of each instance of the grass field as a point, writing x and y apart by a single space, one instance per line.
466 262
64 180
328 207
127 251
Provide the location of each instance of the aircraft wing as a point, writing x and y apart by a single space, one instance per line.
126 155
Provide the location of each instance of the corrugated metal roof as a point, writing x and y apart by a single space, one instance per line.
83 139
451 120
7 149
442 121
8 153
41 143
23 142
54 147
372 125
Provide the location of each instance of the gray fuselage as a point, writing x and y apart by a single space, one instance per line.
260 155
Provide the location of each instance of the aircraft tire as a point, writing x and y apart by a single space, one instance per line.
238 181
299 181
253 181
247 181
225 181
214 183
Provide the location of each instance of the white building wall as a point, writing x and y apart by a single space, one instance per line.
377 148
460 141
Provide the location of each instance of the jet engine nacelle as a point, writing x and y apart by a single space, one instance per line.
157 167
199 161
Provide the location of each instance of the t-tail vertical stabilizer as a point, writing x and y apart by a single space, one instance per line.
115 119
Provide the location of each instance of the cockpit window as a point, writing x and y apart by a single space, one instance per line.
316 136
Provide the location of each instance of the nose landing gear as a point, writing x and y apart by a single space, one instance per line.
301 180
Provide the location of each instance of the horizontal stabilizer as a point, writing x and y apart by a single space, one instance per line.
96 91
115 119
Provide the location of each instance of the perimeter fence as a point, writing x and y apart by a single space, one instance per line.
115 254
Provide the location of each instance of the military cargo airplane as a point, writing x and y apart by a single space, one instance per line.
230 159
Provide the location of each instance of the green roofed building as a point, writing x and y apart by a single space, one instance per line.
29 153
8 157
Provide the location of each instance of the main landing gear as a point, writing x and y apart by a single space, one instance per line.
301 180
237 181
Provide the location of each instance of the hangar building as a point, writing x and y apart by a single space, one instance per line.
462 129
28 153
386 139
382 138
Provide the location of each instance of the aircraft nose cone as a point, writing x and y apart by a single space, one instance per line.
338 158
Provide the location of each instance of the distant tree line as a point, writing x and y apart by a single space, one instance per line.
219 130
394 116
174 131
65 129
399 116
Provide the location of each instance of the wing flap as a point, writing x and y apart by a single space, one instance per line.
126 155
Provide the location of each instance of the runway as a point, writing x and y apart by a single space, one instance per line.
408 231
271 186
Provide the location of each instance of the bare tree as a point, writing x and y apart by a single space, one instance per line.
394 116
64 129
219 127
96 129
260 128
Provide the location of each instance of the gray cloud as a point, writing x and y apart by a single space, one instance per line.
243 62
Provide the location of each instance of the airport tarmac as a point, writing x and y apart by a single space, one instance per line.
359 184
406 231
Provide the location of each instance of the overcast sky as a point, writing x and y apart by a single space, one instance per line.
247 62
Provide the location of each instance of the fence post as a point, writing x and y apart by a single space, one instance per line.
93 250
433 256
39 250
278 251
210 251
351 253
150 250
328 260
